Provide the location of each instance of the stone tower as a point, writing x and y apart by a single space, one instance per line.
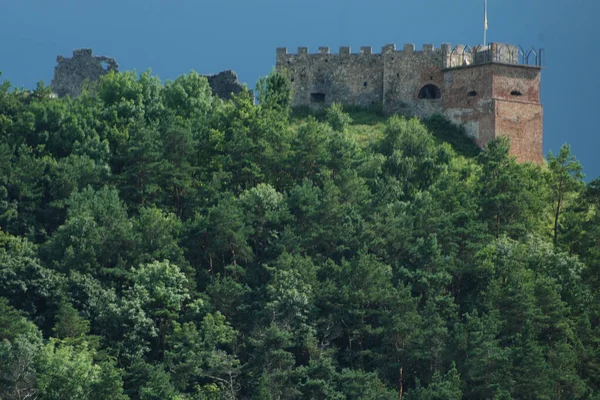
492 91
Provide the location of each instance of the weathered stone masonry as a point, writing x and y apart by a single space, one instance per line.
225 83
70 73
486 89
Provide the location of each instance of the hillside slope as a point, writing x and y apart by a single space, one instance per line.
159 243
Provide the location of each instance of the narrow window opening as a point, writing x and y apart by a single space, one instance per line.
431 78
430 92
365 84
292 79
317 97
397 75
472 93
516 93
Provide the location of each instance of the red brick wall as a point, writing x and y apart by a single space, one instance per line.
459 82
522 123
474 112
525 80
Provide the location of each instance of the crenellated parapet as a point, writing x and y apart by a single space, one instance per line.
450 57
363 50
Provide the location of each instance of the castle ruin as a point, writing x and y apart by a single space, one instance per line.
71 73
491 90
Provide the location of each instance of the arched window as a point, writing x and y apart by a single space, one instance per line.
430 92
516 93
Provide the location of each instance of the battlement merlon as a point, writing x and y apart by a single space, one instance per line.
364 50
82 53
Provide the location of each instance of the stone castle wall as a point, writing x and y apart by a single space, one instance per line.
325 78
406 71
485 89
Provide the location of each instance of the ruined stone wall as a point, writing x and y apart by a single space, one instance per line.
71 73
325 78
224 84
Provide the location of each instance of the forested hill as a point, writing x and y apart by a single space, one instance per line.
159 243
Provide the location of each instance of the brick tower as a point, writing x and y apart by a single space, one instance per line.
495 92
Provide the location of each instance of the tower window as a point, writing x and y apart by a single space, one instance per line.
472 93
317 97
430 92
365 84
516 93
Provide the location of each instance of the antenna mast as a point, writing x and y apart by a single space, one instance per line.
485 23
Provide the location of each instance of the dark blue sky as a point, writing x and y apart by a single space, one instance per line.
175 36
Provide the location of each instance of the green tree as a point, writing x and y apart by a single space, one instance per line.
201 357
566 179
69 326
190 97
157 295
96 237
446 386
337 119
488 363
413 158
511 195
141 167
18 377
26 283
275 92
67 372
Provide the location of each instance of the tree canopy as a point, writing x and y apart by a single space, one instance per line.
157 242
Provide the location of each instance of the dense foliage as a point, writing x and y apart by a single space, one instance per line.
157 242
